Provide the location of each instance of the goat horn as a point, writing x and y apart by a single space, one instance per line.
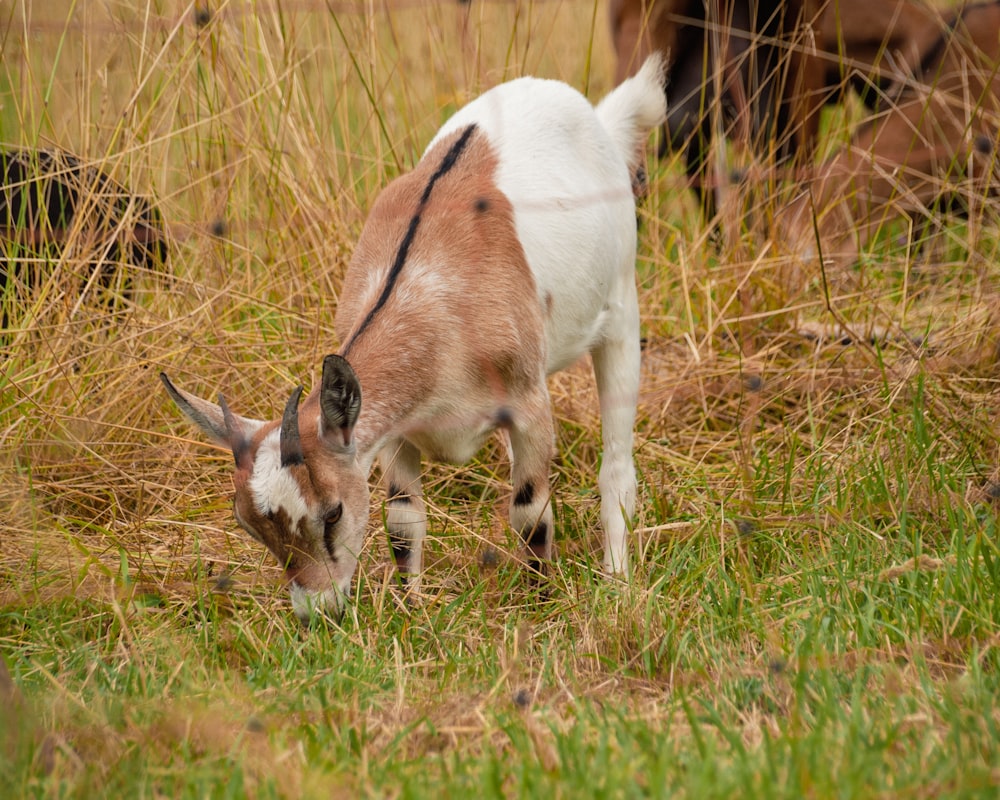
291 443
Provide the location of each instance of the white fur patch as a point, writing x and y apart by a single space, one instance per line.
306 603
273 486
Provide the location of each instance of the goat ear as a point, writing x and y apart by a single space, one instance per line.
339 400
217 422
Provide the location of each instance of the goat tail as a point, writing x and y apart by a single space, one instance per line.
636 106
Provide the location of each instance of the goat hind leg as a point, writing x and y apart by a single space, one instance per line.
616 369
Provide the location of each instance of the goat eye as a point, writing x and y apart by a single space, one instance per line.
330 528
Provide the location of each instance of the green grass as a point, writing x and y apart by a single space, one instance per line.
833 680
815 608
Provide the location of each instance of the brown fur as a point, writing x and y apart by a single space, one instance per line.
469 225
877 40
824 45
758 57
639 27
905 159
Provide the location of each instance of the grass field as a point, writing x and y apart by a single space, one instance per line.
815 608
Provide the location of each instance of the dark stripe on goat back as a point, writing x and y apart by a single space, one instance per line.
447 163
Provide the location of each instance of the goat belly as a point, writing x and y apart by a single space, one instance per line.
455 446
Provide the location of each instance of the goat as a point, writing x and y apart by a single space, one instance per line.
773 65
51 200
750 56
937 141
505 255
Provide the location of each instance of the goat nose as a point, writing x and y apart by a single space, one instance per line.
305 618
312 606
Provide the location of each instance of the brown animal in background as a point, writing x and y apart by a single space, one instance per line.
766 77
783 62
938 140
53 204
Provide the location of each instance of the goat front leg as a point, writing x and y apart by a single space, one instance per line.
405 513
532 444
616 369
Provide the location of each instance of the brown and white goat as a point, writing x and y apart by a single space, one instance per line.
504 256
938 140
